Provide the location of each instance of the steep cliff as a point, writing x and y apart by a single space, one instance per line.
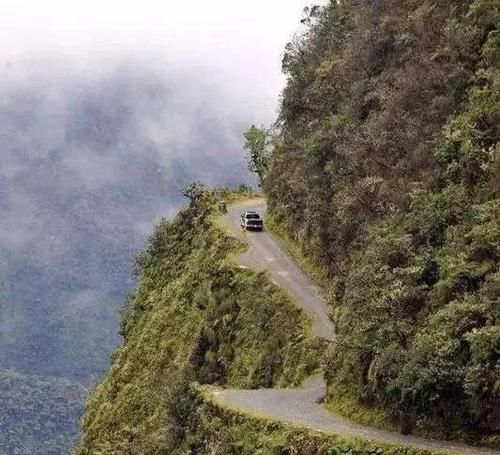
384 168
195 316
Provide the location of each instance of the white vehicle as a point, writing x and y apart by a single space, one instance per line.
251 221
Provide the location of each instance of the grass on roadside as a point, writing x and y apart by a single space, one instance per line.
341 401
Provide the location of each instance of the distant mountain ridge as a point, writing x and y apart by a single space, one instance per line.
38 415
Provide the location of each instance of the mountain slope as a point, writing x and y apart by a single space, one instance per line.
194 316
39 412
384 168
304 407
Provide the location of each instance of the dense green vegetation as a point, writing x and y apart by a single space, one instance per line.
195 315
37 415
382 173
384 168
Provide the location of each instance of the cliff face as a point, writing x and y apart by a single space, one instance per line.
384 167
195 316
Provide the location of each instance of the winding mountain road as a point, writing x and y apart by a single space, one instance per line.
266 253
301 406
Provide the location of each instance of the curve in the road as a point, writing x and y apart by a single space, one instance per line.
301 406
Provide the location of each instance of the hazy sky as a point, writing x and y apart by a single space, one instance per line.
236 42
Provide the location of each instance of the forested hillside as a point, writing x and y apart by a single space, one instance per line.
384 167
382 174
38 414
195 316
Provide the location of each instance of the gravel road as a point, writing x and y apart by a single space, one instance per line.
266 253
301 406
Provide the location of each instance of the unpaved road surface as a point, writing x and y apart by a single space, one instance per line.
301 406
266 253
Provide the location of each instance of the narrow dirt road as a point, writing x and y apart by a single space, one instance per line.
266 253
300 406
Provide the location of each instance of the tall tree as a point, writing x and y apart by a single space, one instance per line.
257 144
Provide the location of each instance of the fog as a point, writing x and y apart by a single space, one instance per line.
237 43
107 109
87 167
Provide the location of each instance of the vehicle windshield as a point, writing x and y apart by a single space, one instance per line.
252 216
